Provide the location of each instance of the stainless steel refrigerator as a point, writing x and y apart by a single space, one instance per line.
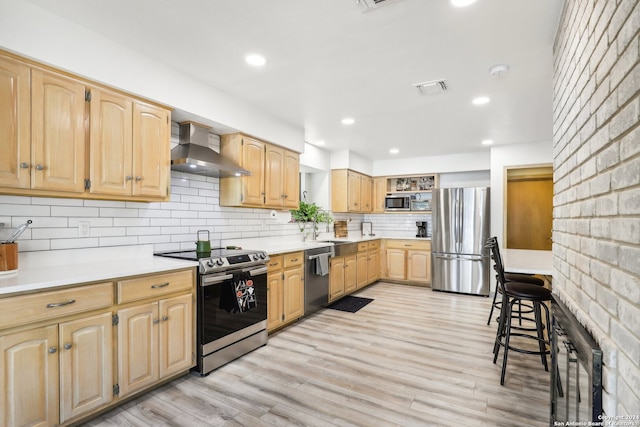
460 262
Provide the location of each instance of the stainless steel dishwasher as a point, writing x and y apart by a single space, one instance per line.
316 278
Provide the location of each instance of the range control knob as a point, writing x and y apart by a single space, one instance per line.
210 263
255 257
263 255
219 261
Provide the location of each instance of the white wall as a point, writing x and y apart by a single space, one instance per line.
433 164
507 156
30 31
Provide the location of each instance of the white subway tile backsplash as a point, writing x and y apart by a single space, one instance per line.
90 242
56 202
118 241
131 222
74 211
118 212
28 211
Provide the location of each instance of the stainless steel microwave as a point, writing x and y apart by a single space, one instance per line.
420 205
397 203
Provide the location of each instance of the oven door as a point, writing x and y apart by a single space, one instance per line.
218 322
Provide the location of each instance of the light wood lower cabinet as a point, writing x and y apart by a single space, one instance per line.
285 289
407 261
343 276
57 347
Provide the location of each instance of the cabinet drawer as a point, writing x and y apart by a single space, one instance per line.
362 246
51 304
275 263
154 285
293 259
374 245
409 244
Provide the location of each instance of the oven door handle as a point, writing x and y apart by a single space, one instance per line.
213 279
257 271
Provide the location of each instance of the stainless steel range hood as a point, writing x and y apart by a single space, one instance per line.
193 155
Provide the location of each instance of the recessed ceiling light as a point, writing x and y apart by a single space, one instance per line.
320 143
481 100
462 3
348 121
487 141
255 60
394 151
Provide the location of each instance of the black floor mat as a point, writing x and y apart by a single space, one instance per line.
350 304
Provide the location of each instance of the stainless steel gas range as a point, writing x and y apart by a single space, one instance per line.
231 304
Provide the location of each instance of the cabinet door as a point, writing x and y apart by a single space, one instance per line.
373 267
354 192
86 365
274 170
176 335
151 148
275 300
291 179
253 159
336 277
110 143
29 378
293 290
137 347
350 273
396 264
418 266
365 194
379 193
362 274
15 124
58 132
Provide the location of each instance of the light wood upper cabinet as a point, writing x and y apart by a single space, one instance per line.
64 136
86 365
350 191
128 140
274 181
379 194
58 132
15 117
29 378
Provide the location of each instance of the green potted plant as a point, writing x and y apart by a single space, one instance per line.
309 213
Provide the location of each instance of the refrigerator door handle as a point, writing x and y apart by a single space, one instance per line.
460 257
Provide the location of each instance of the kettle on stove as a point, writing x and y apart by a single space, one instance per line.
203 246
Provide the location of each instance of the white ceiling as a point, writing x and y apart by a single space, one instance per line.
327 59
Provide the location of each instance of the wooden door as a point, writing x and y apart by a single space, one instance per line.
529 211
15 123
365 193
291 180
379 193
336 277
151 150
373 266
137 347
275 300
353 183
57 132
29 378
396 264
176 335
418 266
86 365
350 273
293 290
110 151
253 159
362 274
273 172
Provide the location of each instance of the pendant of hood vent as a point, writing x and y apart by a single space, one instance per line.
193 155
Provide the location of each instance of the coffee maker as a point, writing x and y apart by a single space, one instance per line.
422 228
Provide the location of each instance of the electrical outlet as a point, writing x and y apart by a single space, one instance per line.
84 228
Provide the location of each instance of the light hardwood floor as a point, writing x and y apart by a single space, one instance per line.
412 357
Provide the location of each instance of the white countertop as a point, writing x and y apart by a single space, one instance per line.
528 261
50 269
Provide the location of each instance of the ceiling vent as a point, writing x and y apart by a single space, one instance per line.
433 87
368 5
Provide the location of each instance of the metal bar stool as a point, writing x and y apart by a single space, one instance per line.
513 293
510 277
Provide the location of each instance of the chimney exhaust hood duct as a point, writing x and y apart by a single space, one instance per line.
192 154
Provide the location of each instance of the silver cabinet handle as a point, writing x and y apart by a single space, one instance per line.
68 346
52 350
161 285
60 304
138 178
24 165
39 167
156 321
128 177
165 318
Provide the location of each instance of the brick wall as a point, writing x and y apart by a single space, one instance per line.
597 184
